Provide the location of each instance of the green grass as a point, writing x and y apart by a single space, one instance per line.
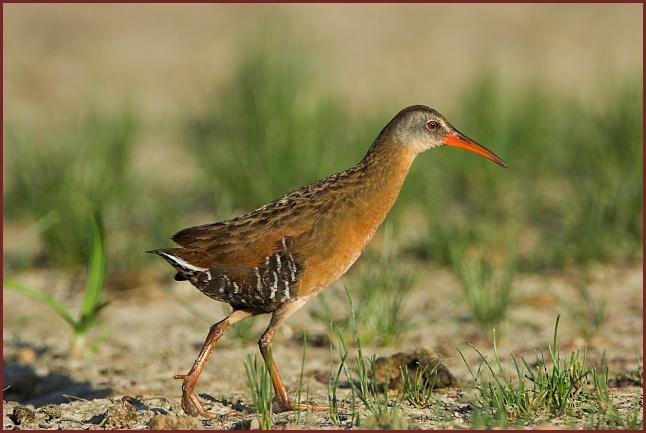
93 303
488 288
588 313
608 417
418 389
335 377
552 385
612 419
260 386
299 389
360 372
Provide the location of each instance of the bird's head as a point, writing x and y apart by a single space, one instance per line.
421 128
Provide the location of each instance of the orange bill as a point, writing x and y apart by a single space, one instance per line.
457 139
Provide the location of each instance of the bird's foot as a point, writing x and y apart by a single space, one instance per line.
190 404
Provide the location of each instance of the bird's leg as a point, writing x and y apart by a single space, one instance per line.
282 397
190 403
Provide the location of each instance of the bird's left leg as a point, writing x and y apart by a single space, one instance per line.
282 397
190 403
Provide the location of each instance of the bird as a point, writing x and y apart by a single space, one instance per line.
273 260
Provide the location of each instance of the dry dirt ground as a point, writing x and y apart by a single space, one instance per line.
150 335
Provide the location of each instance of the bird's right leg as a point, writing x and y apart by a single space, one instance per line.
281 396
190 403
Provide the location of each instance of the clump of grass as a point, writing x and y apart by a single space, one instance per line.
555 385
260 386
588 314
634 377
92 296
360 373
613 419
418 390
488 290
67 174
608 417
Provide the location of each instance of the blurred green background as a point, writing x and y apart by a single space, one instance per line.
163 116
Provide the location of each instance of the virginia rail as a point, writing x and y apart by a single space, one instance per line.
278 257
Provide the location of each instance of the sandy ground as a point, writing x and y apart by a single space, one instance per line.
151 336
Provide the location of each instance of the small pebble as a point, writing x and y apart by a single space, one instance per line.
120 416
23 415
52 412
25 355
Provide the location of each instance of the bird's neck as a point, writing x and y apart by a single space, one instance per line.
385 167
368 191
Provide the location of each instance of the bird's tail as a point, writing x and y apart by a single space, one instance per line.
185 270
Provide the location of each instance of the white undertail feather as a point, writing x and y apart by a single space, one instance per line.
183 263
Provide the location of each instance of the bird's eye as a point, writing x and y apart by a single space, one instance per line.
432 125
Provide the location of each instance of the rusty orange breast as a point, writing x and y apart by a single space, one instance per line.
341 235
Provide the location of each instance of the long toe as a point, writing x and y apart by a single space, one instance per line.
187 405
200 409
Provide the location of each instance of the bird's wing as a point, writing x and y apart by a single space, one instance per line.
251 238
201 236
249 247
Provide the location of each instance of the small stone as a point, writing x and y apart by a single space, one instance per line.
26 355
388 369
23 415
120 416
52 411
171 422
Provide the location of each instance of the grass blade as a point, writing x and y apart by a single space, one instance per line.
44 298
95 279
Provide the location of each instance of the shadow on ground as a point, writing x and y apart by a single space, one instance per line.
23 384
